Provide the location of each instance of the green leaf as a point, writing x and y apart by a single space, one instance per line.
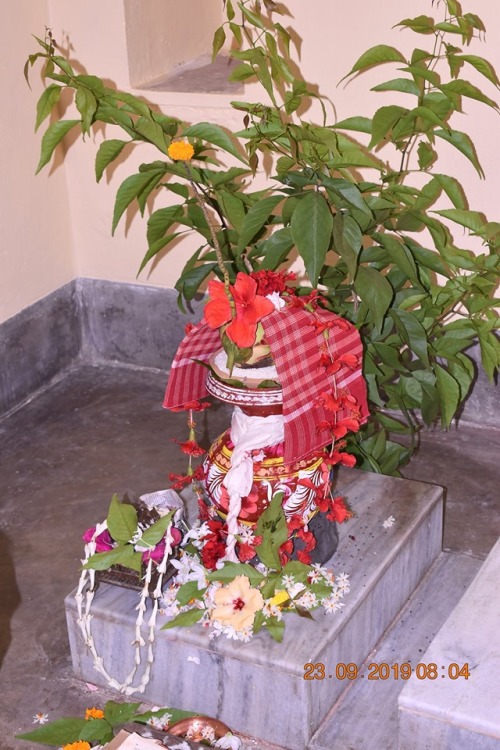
420 24
131 188
412 332
359 124
272 527
453 190
383 121
489 355
108 152
375 291
381 53
347 239
60 732
276 248
233 207
152 132
255 219
51 138
399 254
215 135
119 713
156 248
184 619
426 155
473 220
96 730
230 570
86 104
253 18
124 554
189 591
218 41
189 283
464 88
122 520
449 392
405 85
241 72
482 66
311 225
463 143
156 532
46 103
161 220
275 627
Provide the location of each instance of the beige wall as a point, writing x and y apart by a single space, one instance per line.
36 238
333 36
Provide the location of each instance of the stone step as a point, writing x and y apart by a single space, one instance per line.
446 714
366 715
258 688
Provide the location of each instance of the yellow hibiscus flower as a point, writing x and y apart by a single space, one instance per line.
237 603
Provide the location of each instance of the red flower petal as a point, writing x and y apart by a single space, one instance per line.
241 333
217 312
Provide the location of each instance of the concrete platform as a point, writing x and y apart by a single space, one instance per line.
445 714
259 688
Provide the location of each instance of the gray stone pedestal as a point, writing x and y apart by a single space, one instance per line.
259 688
445 713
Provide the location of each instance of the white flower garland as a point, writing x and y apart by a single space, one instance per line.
86 590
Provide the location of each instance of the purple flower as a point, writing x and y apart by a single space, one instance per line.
156 554
103 541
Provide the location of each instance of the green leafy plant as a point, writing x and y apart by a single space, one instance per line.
379 248
100 726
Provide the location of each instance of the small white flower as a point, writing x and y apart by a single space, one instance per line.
229 742
389 522
295 589
246 534
208 734
277 301
332 604
308 600
40 718
288 581
195 659
315 576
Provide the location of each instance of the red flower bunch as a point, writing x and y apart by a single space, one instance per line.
273 281
249 308
215 544
334 507
182 480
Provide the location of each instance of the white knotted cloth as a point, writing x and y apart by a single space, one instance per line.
247 434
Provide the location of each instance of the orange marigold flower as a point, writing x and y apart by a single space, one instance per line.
180 151
94 713
78 745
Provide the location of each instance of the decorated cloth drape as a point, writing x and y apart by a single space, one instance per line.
296 344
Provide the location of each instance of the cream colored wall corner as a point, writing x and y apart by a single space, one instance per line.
35 246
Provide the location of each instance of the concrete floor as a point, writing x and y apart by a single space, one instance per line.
100 430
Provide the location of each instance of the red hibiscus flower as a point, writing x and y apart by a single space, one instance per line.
190 447
250 309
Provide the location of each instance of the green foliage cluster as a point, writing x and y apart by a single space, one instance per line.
378 247
71 729
273 532
123 524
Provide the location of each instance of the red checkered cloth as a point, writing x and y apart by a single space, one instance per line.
296 345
